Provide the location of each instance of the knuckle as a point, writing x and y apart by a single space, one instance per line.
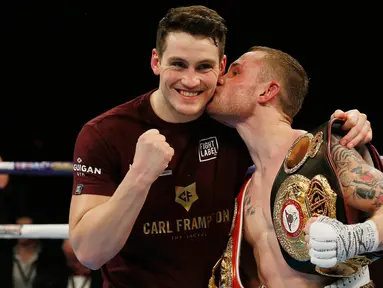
364 130
354 132
153 145
169 151
354 120
151 131
345 139
144 140
142 136
359 136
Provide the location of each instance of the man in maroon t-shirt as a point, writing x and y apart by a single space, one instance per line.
155 178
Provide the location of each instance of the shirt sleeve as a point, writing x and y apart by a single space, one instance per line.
93 164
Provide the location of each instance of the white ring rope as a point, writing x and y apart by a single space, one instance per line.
42 168
48 168
39 231
34 231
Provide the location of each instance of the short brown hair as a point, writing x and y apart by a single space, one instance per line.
292 75
196 20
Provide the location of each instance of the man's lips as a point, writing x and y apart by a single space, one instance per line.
188 93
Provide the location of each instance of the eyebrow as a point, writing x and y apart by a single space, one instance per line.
209 61
234 64
176 59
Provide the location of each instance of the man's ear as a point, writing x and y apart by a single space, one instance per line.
271 89
155 62
222 66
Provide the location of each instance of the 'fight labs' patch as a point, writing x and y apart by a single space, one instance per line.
208 149
79 189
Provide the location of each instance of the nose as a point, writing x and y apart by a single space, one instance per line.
191 78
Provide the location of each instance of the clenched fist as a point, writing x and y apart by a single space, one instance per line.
153 155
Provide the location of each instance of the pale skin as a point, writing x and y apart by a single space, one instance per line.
94 218
188 70
72 260
268 135
362 184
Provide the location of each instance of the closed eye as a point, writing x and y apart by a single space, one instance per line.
234 69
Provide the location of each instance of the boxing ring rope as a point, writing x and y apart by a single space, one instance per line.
45 168
40 231
34 231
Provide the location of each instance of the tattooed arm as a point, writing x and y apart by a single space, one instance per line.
329 240
362 183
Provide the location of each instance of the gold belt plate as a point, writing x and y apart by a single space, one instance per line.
299 198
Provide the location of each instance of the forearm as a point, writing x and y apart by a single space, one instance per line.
102 231
378 220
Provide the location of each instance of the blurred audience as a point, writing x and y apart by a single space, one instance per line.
33 263
25 255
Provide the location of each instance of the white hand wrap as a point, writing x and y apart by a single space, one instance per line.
331 241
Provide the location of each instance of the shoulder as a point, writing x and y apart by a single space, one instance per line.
125 110
120 117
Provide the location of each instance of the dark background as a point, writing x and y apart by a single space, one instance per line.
64 62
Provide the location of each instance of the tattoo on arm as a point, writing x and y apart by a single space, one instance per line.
359 179
249 207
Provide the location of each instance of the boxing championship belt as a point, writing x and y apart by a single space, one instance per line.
226 271
307 185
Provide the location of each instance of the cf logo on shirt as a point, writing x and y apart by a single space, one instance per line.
186 196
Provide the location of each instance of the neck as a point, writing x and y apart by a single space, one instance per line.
268 138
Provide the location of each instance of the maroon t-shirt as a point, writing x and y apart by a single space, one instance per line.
183 226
